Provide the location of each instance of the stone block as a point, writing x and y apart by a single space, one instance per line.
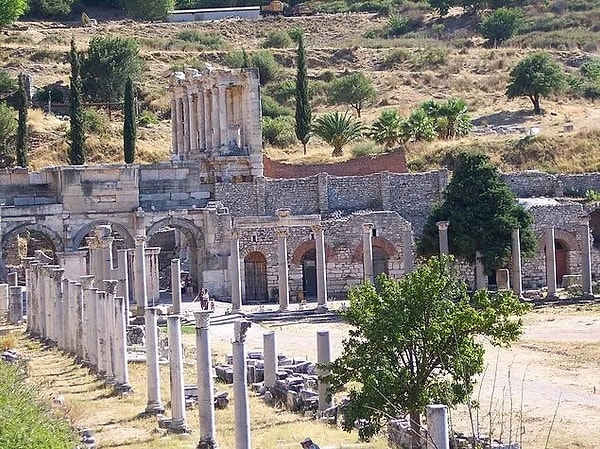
200 195
179 196
24 201
160 196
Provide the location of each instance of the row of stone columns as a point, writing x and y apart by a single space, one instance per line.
550 256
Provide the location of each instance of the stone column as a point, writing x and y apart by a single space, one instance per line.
208 118
47 295
193 138
186 124
152 287
178 422
223 125
282 265
176 285
437 427
139 279
516 276
101 331
200 117
480 277
15 311
4 301
154 405
214 120
550 262
321 266
240 388
586 259
443 236
12 279
180 124
80 324
236 279
56 317
407 251
89 319
323 358
106 243
121 369
65 319
123 276
111 288
270 358
29 288
206 408
174 129
96 266
503 279
368 252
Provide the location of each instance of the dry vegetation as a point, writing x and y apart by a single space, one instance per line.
442 59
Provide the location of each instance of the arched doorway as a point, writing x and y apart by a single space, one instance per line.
380 261
309 274
560 256
255 274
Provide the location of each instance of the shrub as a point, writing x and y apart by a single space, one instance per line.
8 129
282 91
278 131
205 41
234 59
7 84
50 8
268 67
501 25
397 25
147 118
53 92
277 39
365 148
271 108
95 122
148 9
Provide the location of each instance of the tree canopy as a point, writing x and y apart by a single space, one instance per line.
337 129
148 9
535 76
355 90
109 62
303 109
482 211
413 343
11 10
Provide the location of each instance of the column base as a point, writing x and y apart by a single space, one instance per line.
207 443
552 296
110 380
588 296
123 388
154 408
178 427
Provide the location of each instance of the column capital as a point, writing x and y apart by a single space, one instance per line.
442 225
281 232
202 319
29 261
367 227
57 273
87 281
93 242
240 329
234 234
140 239
585 220
110 286
317 229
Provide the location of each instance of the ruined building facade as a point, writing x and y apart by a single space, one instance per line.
215 191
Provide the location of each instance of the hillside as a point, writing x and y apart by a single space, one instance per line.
442 58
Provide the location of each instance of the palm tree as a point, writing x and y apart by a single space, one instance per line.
337 130
456 118
387 129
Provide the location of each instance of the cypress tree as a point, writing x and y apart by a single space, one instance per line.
77 149
129 126
303 111
22 133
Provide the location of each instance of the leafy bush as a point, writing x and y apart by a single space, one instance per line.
50 92
234 59
47 55
501 25
147 118
50 8
8 128
397 25
204 40
277 39
279 131
27 423
271 108
268 67
148 9
95 122
365 148
7 84
282 91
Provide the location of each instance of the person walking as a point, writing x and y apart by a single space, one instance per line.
307 443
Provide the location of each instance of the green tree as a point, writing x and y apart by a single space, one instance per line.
148 9
22 132
482 211
354 89
337 129
109 62
77 134
500 25
267 65
50 8
8 129
303 110
417 341
388 129
420 126
451 117
535 76
11 10
129 124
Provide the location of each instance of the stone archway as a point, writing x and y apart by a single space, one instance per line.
120 230
39 236
184 233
